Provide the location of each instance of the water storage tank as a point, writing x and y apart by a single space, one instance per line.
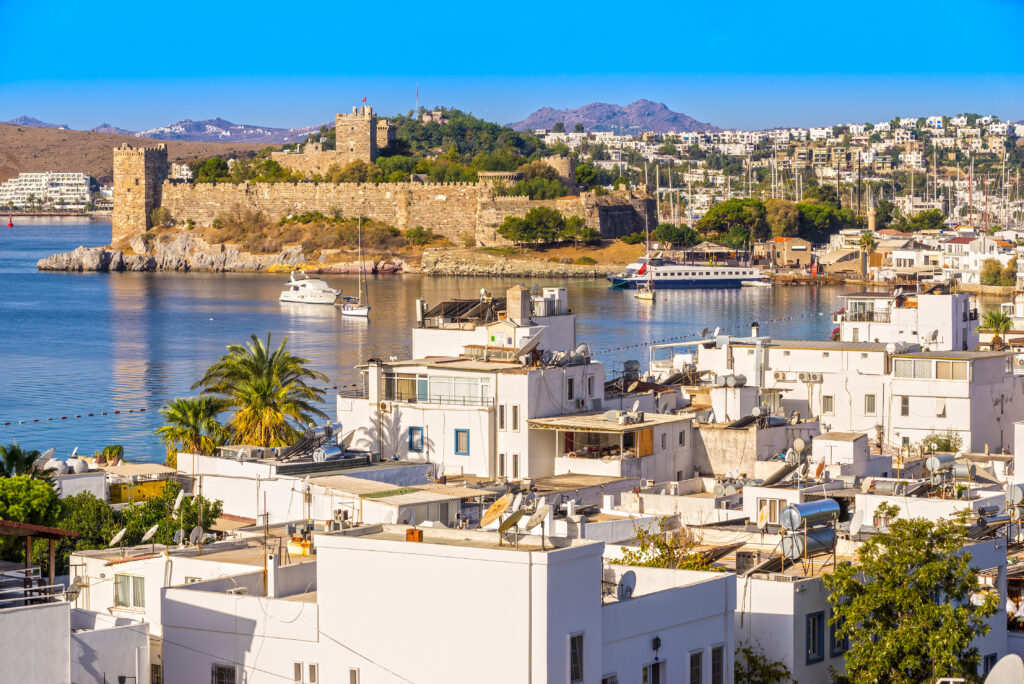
939 462
77 465
794 516
57 465
963 471
819 540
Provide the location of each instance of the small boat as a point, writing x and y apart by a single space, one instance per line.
756 283
355 307
645 293
305 290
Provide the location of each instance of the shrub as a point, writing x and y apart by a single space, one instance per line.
585 261
468 240
420 235
161 217
632 239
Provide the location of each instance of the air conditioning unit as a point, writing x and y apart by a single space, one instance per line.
816 377
581 403
597 404
780 375
238 590
804 377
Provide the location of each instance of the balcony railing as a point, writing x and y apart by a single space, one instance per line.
441 399
867 316
971 315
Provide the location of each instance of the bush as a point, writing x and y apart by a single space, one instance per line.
420 236
585 261
632 239
991 272
468 240
161 217
946 442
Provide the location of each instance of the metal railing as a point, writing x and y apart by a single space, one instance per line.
867 316
25 587
442 399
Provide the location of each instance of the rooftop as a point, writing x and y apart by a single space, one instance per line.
841 436
596 422
476 539
824 345
955 355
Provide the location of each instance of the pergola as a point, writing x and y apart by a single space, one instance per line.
10 528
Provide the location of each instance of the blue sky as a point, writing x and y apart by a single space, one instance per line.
736 64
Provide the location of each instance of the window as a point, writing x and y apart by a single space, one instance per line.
988 663
682 438
129 591
192 580
297 672
515 417
575 658
501 416
951 370
569 387
314 673
353 675
462 442
697 667
828 404
775 507
856 335
815 637
610 679
904 406
222 674
869 404
654 673
664 441
837 646
416 439
501 465
515 466
156 674
590 385
718 665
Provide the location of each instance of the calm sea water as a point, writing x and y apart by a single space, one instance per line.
79 343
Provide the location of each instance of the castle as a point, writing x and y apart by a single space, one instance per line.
461 212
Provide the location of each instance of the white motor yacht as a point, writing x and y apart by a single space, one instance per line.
305 290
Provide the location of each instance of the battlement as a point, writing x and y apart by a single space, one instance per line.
364 112
126 150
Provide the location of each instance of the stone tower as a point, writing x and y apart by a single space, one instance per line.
139 174
356 135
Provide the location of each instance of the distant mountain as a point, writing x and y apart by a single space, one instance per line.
25 120
207 130
220 130
641 115
107 128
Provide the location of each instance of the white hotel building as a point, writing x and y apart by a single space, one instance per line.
69 190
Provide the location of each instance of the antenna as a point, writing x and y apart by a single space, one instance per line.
857 522
626 586
799 445
193 536
762 518
496 509
511 520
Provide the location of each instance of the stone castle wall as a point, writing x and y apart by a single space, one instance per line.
356 139
138 181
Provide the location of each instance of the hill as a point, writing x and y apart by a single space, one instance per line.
25 120
642 115
221 130
31 148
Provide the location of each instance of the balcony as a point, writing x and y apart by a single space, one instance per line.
971 315
867 316
445 399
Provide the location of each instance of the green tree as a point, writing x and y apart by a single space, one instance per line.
212 170
586 176
930 219
783 217
991 270
665 548
885 213
559 127
161 217
267 390
676 235
27 500
1008 276
191 425
818 221
738 220
753 667
867 242
94 520
906 605
158 511
357 171
514 229
577 127
15 461
825 194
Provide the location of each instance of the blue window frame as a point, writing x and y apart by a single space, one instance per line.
416 439
989 662
462 442
837 646
815 637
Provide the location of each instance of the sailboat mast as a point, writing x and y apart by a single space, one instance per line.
362 269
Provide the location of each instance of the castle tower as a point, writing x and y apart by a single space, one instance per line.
356 135
139 174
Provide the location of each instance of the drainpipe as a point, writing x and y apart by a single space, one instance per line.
758 366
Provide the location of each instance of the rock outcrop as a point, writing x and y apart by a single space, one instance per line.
446 263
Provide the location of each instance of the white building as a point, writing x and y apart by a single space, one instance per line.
938 322
468 605
68 190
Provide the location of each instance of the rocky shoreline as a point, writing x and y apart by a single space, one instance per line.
437 262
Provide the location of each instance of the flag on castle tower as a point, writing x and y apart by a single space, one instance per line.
364 99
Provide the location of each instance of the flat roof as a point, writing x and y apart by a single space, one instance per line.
567 482
596 422
841 436
956 355
477 539
862 295
137 469
402 495
827 345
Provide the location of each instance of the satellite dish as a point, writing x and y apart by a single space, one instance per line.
177 500
792 457
193 536
48 454
74 453
528 344
632 387
538 516
149 533
517 502
803 470
319 455
865 486
626 586
799 445
74 589
636 406
118 537
819 470
178 536
857 522
496 509
1010 668
704 333
717 330
511 520
762 517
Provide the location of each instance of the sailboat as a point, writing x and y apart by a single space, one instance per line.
646 290
355 306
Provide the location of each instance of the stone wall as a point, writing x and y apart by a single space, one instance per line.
356 138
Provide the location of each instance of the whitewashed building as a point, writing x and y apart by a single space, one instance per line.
53 188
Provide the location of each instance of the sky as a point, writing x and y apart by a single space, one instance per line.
736 65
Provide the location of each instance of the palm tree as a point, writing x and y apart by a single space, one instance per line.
15 461
269 391
998 322
192 425
867 242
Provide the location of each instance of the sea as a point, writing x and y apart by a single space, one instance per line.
88 359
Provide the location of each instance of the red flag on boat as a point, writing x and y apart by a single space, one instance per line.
642 269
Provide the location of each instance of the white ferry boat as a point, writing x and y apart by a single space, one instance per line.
668 274
305 290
